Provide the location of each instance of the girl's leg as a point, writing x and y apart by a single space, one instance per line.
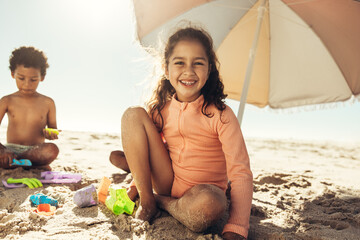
148 160
199 208
118 159
41 155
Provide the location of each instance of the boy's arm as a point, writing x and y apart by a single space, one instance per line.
3 110
5 155
51 120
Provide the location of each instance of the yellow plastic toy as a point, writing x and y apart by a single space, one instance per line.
52 130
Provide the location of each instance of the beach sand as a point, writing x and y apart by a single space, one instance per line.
302 190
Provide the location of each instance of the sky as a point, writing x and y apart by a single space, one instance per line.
98 69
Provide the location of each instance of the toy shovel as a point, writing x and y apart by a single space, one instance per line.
51 177
30 182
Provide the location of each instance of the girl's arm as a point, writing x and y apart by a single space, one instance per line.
238 172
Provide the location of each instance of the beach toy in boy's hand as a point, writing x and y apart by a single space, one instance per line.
119 202
21 162
40 198
103 189
30 182
85 197
52 130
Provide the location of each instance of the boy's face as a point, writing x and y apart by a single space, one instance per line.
27 79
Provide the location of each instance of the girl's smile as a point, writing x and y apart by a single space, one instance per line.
188 70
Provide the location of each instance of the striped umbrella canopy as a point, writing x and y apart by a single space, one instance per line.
276 53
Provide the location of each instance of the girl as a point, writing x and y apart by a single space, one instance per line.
205 147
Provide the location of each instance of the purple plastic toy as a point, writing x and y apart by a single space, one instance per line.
85 197
60 177
51 177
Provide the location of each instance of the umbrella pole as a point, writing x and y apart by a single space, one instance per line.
252 53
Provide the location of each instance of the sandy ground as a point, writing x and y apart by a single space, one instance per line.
302 190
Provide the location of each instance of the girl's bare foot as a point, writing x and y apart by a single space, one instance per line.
147 211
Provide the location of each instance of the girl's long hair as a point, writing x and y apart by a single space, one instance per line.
213 90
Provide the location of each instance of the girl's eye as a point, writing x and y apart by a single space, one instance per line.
198 63
33 80
22 79
179 63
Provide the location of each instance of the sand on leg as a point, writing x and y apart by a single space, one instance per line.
148 159
199 208
41 155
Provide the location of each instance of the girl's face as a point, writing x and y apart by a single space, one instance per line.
188 69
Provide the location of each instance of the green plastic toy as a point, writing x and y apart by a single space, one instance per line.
30 182
119 202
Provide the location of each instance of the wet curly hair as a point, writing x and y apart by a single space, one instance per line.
213 90
29 57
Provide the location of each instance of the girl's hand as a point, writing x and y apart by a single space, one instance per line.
232 236
50 133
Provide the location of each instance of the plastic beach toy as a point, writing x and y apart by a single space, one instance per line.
103 189
30 182
60 177
119 202
85 197
52 130
21 162
40 198
44 209
51 177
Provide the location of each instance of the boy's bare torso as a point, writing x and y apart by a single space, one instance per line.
28 116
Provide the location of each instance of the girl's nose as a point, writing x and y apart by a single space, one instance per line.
189 70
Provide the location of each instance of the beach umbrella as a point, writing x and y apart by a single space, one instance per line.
276 53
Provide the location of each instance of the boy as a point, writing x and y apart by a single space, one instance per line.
29 112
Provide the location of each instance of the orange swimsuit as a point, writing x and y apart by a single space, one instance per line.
207 150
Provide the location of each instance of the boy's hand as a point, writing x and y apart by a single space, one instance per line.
233 236
50 133
6 158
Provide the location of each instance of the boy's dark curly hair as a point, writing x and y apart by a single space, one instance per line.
29 57
213 90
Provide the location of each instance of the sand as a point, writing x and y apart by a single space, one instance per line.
302 190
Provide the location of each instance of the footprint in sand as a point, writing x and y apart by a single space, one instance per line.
335 212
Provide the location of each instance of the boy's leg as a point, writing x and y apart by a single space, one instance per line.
41 155
148 160
199 208
118 159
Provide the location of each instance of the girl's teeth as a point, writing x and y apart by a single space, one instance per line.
187 83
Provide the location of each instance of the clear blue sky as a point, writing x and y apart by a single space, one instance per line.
97 70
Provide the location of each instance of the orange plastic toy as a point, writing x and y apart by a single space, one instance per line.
44 209
103 189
